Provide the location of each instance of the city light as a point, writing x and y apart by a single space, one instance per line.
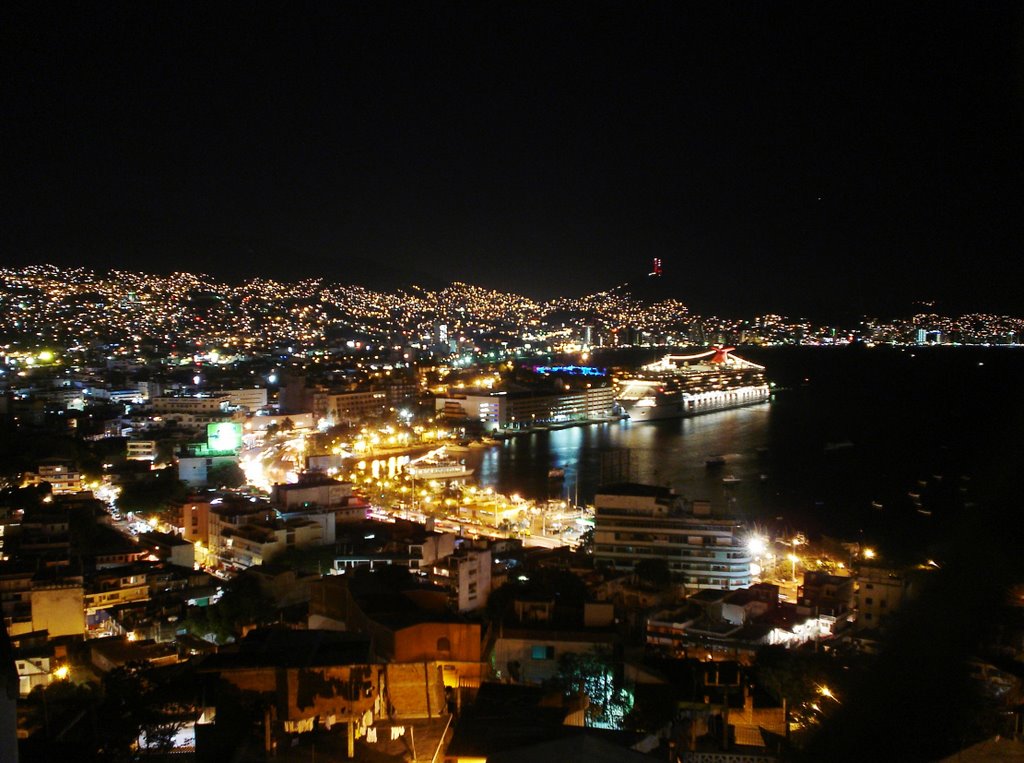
757 545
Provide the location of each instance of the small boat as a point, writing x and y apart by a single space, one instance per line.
876 505
838 445
923 483
438 470
730 480
924 512
714 462
914 496
555 473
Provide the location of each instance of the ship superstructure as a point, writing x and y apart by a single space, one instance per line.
689 385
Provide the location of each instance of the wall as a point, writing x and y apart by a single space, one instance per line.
61 611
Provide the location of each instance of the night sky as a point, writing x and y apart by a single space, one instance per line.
776 156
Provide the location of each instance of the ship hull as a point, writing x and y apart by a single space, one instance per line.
682 405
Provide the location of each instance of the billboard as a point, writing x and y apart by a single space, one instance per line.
224 436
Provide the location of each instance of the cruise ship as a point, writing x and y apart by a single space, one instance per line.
689 385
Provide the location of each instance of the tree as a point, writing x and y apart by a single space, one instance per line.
136 699
653 572
225 475
157 491
791 674
243 603
590 674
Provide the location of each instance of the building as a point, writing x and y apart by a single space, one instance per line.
732 625
401 630
319 498
284 421
194 471
141 450
879 591
170 548
195 405
249 545
250 398
349 407
466 574
490 409
634 522
224 518
528 408
524 408
529 649
58 607
110 590
195 521
312 489
825 593
63 476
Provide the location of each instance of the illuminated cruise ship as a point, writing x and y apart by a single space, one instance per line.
689 385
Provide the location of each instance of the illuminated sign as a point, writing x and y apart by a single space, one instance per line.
224 436
571 370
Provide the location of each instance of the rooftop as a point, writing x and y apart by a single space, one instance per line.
636 489
286 648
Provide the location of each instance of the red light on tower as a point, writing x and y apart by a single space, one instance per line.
655 267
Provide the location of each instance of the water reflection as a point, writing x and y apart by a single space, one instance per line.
671 453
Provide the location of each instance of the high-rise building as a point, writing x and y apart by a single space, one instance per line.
634 522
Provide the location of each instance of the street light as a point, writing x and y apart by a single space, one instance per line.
794 559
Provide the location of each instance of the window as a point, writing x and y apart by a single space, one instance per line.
543 653
443 644
869 601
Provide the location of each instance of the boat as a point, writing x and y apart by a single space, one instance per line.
714 462
447 469
689 385
555 474
914 496
876 505
842 444
731 479
924 512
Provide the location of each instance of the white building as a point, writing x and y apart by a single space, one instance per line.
489 408
63 476
251 398
467 576
634 522
141 450
196 405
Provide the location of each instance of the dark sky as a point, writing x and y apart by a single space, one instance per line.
776 156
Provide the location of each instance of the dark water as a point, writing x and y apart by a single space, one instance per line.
846 428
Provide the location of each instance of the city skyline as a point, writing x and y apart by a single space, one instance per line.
780 159
49 307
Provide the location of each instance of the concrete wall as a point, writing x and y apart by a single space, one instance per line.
61 611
